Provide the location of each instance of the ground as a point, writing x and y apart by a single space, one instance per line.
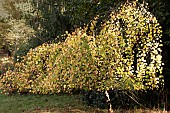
31 103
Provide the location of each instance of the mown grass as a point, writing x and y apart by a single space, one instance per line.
31 103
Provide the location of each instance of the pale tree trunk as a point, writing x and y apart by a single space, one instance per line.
110 110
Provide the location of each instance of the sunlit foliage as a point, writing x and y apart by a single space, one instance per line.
126 54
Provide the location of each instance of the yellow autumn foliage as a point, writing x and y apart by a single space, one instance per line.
126 54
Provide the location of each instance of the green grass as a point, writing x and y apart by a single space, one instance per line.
44 103
31 103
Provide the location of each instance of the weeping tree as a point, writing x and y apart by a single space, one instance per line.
125 54
133 58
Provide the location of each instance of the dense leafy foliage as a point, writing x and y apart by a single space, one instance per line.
125 54
161 9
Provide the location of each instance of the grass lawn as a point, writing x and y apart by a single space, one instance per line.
31 103
44 104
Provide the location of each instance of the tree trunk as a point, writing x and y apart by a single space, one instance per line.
110 110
